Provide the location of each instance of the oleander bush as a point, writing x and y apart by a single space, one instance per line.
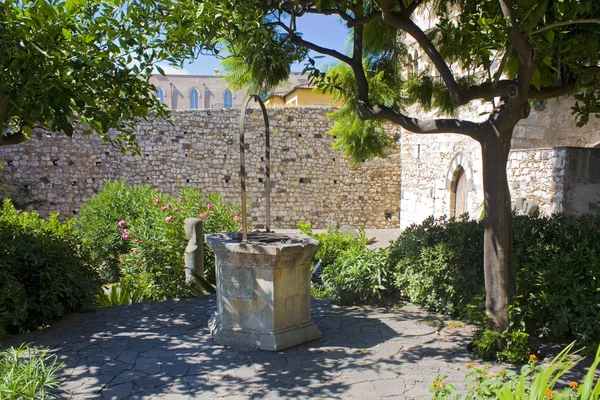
45 271
28 374
137 236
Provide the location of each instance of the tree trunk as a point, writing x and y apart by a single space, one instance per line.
499 271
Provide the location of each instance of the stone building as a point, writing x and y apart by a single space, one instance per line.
553 166
191 92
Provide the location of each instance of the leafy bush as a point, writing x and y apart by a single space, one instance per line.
26 374
45 272
333 242
558 275
358 275
97 222
146 238
119 295
511 346
532 382
440 264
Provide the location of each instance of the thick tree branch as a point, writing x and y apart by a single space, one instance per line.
400 21
364 20
295 38
442 125
357 65
408 11
521 46
549 93
564 23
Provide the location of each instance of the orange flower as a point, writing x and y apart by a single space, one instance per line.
573 384
438 384
471 364
549 393
533 357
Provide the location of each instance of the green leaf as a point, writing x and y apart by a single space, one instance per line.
550 36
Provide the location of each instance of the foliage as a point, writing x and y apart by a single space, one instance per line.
497 53
98 222
439 263
28 374
86 63
510 346
119 295
534 381
141 232
333 243
358 276
558 271
45 272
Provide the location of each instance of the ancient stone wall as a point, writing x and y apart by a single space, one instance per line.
310 181
537 166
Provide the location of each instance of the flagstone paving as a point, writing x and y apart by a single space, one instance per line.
164 350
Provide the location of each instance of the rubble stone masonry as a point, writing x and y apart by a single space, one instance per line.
200 149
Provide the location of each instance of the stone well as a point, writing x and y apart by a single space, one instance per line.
263 290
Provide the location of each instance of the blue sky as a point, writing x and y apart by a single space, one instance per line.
323 30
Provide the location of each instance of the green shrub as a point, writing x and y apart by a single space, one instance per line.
27 374
439 264
358 276
145 238
511 346
45 271
119 295
532 382
558 275
97 222
333 242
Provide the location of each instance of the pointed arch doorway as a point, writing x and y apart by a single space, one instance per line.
459 193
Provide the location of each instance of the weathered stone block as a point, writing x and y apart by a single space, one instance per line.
263 291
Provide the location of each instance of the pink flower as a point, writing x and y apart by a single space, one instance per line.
157 202
134 251
202 216
209 207
166 207
176 210
125 234
180 199
137 241
240 230
122 224
236 218
169 219
121 256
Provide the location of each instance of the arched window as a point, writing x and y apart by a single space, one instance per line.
458 193
227 99
160 95
193 99
206 97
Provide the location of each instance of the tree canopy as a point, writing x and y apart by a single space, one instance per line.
78 63
507 53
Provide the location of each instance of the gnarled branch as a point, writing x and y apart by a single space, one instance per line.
564 23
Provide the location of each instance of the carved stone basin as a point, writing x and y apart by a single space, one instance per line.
263 290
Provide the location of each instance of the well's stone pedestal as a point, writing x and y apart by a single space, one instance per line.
263 291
